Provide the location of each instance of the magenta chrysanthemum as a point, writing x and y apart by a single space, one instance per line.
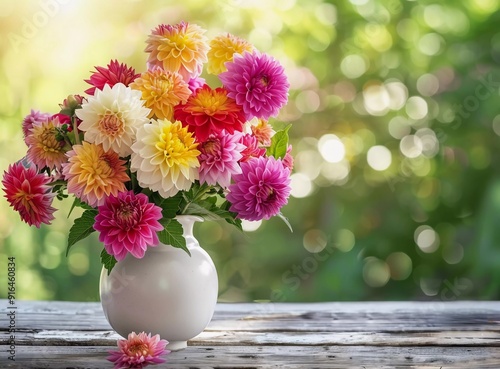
196 83
138 351
219 158
34 118
113 74
28 192
261 190
128 223
258 83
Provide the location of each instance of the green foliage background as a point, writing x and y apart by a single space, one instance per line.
417 79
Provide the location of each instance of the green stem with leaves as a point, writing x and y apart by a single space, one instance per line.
202 191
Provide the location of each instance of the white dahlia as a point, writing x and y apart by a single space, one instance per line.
165 157
112 116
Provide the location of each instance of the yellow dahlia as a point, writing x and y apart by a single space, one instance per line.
45 149
112 116
161 91
165 157
222 49
180 48
94 174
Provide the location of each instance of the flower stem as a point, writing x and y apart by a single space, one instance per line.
75 130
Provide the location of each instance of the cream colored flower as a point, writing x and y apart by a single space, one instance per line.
165 157
112 116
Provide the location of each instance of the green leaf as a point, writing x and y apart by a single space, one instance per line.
169 206
81 228
279 144
78 203
229 216
285 219
107 260
205 209
172 234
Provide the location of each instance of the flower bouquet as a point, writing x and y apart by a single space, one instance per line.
140 149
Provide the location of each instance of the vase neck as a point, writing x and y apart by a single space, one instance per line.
187 222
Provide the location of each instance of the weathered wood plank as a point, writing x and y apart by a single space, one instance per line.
308 322
392 317
324 335
415 307
235 338
271 356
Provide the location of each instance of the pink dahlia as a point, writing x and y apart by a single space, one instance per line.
258 83
251 148
261 190
219 158
128 223
138 351
63 119
210 111
288 159
33 118
28 192
113 74
196 83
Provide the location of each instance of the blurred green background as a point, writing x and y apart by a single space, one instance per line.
396 124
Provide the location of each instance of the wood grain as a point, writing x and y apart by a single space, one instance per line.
275 335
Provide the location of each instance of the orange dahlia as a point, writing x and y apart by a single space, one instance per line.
161 91
178 48
45 148
94 174
263 131
210 111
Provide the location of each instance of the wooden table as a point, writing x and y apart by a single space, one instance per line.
274 335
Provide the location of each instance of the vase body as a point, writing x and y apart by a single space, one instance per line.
167 292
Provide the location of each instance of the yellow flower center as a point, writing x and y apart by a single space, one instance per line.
98 171
160 87
176 145
111 124
208 103
46 139
182 45
139 348
211 147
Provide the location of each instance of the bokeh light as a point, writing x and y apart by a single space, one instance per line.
379 157
395 135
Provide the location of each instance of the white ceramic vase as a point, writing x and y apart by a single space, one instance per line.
167 292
